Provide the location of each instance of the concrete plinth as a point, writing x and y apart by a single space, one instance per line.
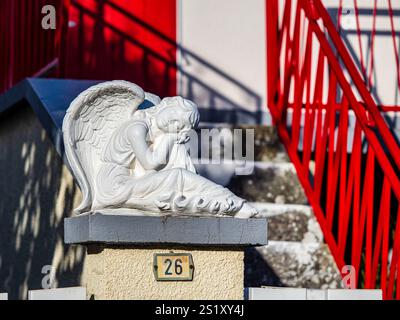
127 273
121 249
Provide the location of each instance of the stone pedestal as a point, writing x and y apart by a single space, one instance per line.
121 249
127 273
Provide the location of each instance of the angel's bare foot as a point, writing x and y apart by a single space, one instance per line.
247 211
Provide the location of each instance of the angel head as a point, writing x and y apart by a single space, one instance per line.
175 114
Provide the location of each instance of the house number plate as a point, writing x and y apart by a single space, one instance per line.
173 266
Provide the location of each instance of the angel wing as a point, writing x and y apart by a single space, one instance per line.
89 122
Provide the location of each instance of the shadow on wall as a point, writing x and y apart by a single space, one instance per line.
36 193
109 41
257 272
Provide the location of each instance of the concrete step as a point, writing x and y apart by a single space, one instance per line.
270 182
263 181
290 222
296 255
291 264
267 147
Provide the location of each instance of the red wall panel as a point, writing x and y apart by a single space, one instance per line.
25 47
127 39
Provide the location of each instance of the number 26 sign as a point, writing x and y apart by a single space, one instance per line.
173 266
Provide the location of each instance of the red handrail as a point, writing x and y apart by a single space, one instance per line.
349 162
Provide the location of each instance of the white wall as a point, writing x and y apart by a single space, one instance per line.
384 80
230 36
385 90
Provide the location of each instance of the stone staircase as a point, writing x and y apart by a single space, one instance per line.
296 255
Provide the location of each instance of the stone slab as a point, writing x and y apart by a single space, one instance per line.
277 293
354 294
316 294
274 293
130 229
71 293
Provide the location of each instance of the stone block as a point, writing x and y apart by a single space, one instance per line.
277 293
354 294
72 293
316 294
116 272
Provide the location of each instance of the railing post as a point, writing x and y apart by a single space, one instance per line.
312 11
272 52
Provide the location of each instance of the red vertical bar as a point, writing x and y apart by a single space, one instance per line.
348 200
299 79
271 12
356 153
17 42
394 266
398 280
12 45
39 36
22 39
366 212
343 213
310 113
33 40
289 63
385 205
369 184
321 149
29 50
332 167
61 41
3 44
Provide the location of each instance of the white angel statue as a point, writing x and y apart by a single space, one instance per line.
123 157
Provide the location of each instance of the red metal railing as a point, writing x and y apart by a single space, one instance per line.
346 157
